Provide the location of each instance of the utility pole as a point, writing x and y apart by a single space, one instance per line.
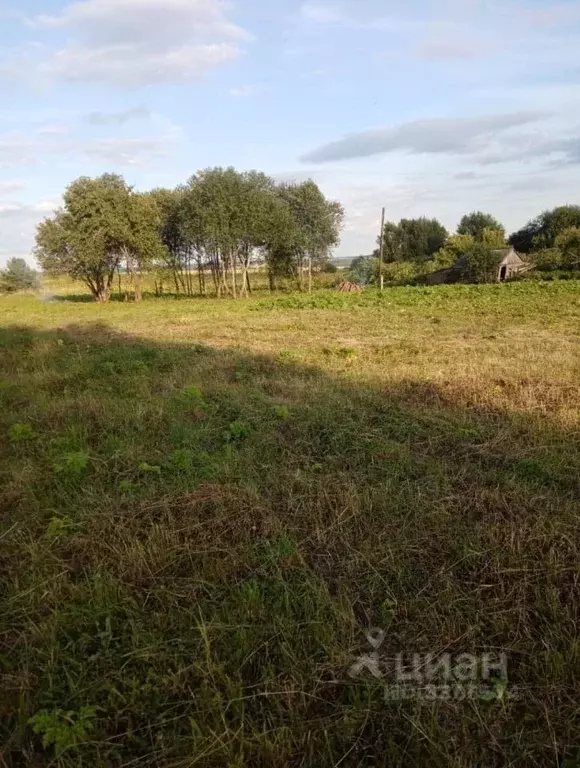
381 249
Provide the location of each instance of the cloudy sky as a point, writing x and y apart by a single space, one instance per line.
430 107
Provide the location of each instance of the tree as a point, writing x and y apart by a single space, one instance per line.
455 247
17 276
476 223
481 265
313 229
493 238
88 238
568 241
413 239
541 232
363 270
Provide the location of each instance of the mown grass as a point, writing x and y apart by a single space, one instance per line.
206 504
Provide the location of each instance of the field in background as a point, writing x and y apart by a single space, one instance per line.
205 505
158 285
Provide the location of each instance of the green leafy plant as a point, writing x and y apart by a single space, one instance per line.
193 392
64 730
282 412
59 526
73 463
237 431
181 460
20 432
153 469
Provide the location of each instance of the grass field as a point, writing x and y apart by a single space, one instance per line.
206 504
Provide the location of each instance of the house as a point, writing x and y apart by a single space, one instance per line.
510 265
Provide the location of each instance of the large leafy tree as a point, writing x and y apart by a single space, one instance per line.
541 232
316 226
412 240
481 264
103 223
476 223
568 242
455 247
17 276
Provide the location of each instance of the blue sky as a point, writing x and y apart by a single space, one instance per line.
429 107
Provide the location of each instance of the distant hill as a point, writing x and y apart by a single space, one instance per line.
343 262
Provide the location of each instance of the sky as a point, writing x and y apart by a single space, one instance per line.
427 107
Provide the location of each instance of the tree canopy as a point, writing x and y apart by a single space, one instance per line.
476 223
412 239
102 224
542 232
218 223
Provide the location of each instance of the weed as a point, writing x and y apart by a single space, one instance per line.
21 432
64 730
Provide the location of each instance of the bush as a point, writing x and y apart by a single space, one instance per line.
329 268
17 276
363 270
400 271
548 259
481 265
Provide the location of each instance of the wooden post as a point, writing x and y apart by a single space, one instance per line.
381 250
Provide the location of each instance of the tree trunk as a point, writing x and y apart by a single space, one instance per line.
233 257
138 291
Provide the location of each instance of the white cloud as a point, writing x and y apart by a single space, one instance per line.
132 43
17 150
463 135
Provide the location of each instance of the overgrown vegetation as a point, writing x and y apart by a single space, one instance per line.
206 505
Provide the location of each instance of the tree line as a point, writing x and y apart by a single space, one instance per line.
204 236
413 248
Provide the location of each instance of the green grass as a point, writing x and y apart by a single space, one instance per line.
206 504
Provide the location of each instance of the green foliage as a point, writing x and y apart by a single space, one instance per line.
481 265
493 238
475 224
64 730
73 463
59 526
102 224
181 460
152 469
541 233
412 240
21 432
455 247
548 259
193 392
17 276
282 412
568 241
400 272
363 270
237 431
